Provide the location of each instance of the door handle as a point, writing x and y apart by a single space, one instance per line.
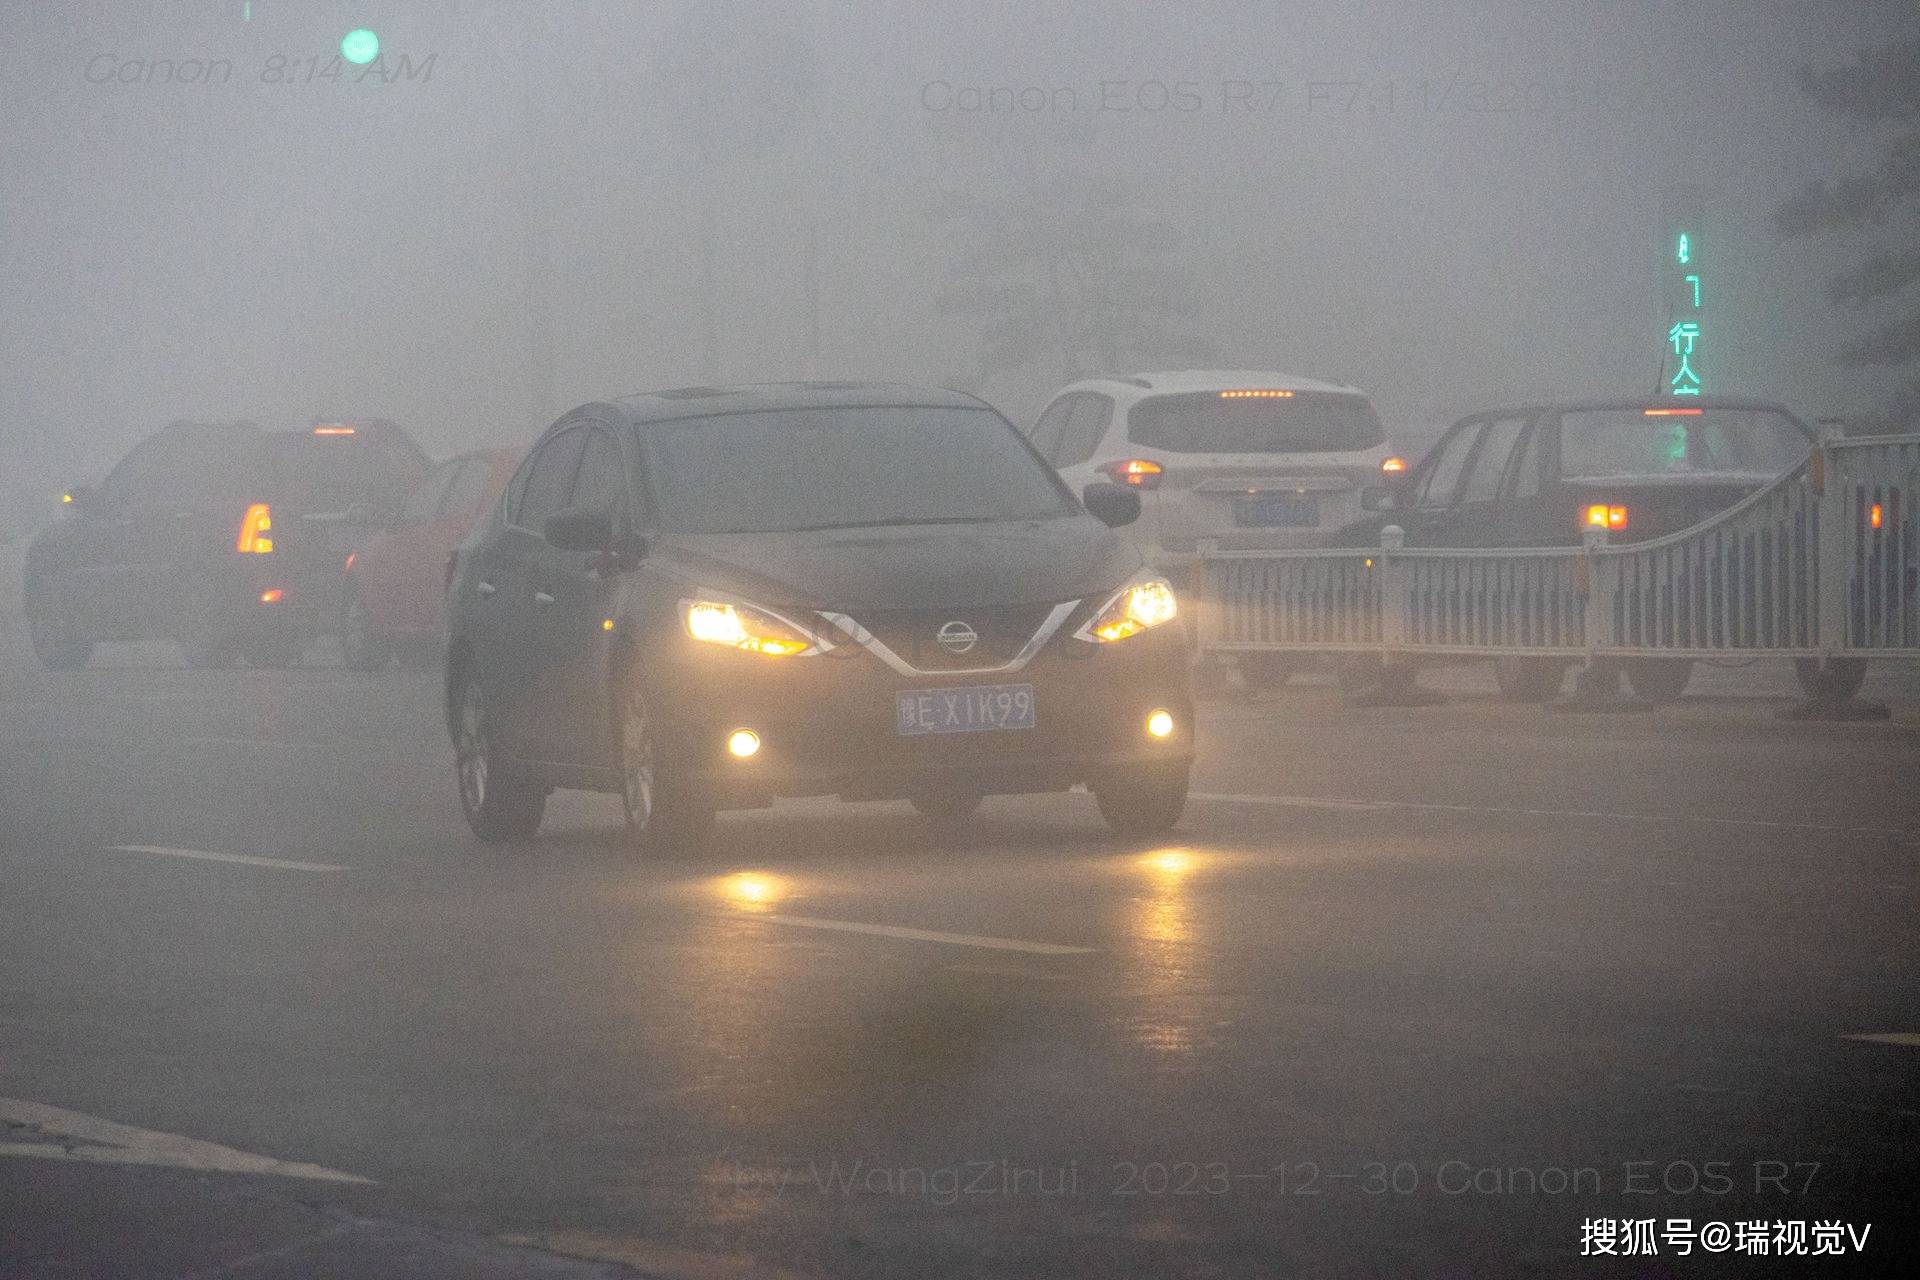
541 597
483 589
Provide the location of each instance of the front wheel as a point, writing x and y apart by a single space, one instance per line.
1833 682
1660 679
499 805
1142 801
666 811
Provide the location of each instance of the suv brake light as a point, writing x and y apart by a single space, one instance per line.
1602 516
1137 473
256 528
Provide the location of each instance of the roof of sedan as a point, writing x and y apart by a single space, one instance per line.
1629 402
700 402
1182 380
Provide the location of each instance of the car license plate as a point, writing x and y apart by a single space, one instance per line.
964 709
1280 511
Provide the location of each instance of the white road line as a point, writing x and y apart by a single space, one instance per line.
285 864
1322 802
74 1135
1905 1039
929 935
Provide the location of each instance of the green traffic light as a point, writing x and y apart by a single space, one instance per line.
360 46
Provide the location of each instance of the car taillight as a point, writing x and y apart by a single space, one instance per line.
1602 516
1139 473
1393 465
256 528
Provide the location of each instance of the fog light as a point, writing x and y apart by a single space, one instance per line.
743 743
1160 724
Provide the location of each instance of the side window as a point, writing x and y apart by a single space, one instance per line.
602 483
549 478
1085 426
1442 479
422 504
1046 432
1490 463
465 493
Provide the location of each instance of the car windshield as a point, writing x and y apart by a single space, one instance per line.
792 469
1599 443
1223 422
190 467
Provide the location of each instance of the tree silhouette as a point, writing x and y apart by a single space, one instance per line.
1068 267
1879 90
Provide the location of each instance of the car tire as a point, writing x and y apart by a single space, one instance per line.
500 805
1529 679
1660 679
1142 801
57 642
665 810
276 654
362 646
1833 683
1262 671
209 651
947 807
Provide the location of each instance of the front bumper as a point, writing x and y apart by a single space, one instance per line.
827 724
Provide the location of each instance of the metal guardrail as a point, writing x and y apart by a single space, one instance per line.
1823 562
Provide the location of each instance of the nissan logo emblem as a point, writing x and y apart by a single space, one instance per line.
957 637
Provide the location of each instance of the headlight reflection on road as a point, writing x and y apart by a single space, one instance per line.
751 890
1162 934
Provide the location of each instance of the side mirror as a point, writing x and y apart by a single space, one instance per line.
1379 497
577 530
364 513
1111 504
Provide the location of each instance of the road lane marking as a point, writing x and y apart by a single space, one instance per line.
1905 1039
929 935
74 1135
285 864
1324 802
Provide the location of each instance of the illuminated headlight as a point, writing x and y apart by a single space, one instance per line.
1143 603
742 626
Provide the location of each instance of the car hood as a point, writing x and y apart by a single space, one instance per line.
908 566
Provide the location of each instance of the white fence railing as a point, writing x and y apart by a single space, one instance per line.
1823 562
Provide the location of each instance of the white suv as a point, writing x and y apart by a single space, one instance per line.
1249 459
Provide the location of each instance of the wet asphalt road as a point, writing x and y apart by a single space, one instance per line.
1410 992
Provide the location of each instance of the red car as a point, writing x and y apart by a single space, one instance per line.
391 597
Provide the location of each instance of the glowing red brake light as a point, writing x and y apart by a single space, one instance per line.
1672 413
333 429
1257 393
1393 465
256 529
1138 473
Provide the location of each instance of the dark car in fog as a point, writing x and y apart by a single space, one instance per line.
392 594
710 598
1543 475
221 536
